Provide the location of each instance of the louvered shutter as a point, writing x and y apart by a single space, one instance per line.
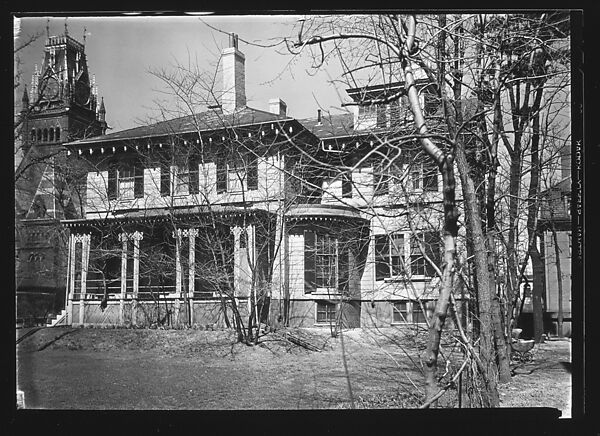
138 185
343 268
309 262
165 180
194 183
221 176
112 183
252 173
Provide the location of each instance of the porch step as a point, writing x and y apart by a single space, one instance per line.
58 319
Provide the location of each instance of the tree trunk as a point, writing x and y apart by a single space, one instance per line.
538 290
480 262
558 282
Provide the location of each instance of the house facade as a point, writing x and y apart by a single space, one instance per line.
555 229
235 213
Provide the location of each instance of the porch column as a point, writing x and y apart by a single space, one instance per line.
70 278
137 237
84 239
236 258
251 241
123 238
177 235
192 271
251 254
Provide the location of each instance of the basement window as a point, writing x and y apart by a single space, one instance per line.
326 312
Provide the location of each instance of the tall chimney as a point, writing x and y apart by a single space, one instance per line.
277 106
234 88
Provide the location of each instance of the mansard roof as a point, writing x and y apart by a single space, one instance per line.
209 120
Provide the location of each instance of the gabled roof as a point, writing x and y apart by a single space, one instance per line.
203 121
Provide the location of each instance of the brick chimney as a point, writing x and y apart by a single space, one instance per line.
234 87
277 106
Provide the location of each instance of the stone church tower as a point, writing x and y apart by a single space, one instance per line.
62 105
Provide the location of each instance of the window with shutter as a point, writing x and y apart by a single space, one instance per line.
347 185
165 180
139 181
382 266
125 182
181 180
380 180
252 173
309 262
382 115
112 183
343 269
194 177
221 176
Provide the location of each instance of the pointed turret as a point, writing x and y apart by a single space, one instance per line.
25 100
102 111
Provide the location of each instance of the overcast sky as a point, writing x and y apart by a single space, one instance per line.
121 50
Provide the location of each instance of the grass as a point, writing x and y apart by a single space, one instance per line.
65 368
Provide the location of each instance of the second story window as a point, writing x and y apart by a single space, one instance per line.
389 254
126 182
380 180
381 115
419 266
181 180
347 185
252 173
424 177
221 176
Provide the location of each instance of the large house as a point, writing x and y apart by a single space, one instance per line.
555 229
210 217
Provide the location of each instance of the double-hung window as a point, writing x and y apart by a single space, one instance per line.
326 261
431 241
400 312
389 255
424 177
125 182
380 179
181 180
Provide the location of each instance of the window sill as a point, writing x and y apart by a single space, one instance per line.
401 279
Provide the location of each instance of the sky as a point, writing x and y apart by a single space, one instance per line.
121 50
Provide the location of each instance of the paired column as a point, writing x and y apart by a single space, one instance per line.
123 237
244 258
135 238
84 240
191 235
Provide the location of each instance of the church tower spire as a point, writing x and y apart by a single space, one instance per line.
25 100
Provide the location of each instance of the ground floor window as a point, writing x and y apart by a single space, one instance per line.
326 312
411 312
400 312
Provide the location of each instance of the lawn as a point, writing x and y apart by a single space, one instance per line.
66 368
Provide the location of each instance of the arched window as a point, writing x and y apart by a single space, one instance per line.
57 135
39 134
45 135
33 134
51 135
